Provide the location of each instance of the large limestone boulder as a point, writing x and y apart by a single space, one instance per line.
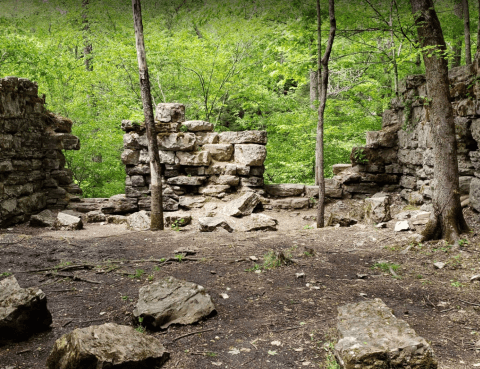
176 142
120 204
192 202
242 205
220 152
23 311
259 222
43 219
68 222
372 337
139 221
107 346
172 301
198 126
475 193
377 209
210 224
285 189
250 154
244 137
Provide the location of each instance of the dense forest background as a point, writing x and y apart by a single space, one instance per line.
240 64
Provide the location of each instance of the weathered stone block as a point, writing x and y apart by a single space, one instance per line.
213 190
377 209
68 222
259 222
250 155
219 152
23 311
204 138
107 346
225 180
285 189
170 112
210 224
291 203
120 204
475 193
251 181
339 168
242 205
177 142
244 137
372 337
134 141
198 126
201 158
195 171
186 181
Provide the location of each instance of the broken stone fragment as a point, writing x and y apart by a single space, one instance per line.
139 221
178 219
67 222
172 301
23 311
242 205
250 154
210 224
377 209
186 181
259 222
95 216
176 141
372 337
107 346
120 204
220 152
402 226
43 219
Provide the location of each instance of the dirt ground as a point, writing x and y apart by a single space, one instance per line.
272 318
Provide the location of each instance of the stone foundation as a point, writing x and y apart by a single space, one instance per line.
32 165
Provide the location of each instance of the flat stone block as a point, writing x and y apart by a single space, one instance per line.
285 189
371 337
198 126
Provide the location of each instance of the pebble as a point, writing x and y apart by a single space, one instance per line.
475 278
439 265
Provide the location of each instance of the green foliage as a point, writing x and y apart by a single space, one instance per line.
5 274
239 64
138 274
385 267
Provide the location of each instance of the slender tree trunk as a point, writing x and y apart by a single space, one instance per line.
446 221
457 37
156 220
466 28
478 32
87 44
323 85
394 56
314 88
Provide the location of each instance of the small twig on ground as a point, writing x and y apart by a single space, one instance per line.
246 362
446 310
392 272
73 277
191 333
469 303
67 323
287 329
23 351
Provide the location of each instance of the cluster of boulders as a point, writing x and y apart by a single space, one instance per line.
23 312
370 335
32 164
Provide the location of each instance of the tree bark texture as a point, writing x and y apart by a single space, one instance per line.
156 219
466 28
314 88
323 85
446 221
478 32
87 44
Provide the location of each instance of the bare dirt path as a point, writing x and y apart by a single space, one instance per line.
272 318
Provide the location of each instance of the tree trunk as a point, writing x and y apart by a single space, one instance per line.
457 37
87 44
323 85
156 220
478 32
466 27
446 221
394 56
314 88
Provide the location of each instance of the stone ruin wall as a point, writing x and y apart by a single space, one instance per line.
399 157
32 165
195 160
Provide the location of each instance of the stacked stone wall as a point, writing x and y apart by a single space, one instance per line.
400 157
32 165
195 160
